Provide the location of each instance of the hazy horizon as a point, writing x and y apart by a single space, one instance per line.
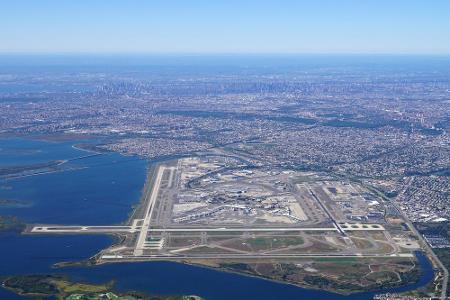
199 27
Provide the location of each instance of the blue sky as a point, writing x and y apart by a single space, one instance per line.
225 26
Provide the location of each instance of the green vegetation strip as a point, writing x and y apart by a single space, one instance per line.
60 287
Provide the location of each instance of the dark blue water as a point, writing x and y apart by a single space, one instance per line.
103 193
16 151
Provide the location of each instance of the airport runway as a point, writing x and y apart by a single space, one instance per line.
147 229
246 256
148 212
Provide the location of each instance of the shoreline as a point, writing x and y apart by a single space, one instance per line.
136 209
93 262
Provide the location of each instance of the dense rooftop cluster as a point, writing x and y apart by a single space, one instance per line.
381 123
426 198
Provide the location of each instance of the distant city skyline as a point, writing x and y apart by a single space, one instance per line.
200 26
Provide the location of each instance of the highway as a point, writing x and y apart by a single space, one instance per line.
425 244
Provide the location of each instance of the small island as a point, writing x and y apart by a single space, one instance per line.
11 224
14 203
